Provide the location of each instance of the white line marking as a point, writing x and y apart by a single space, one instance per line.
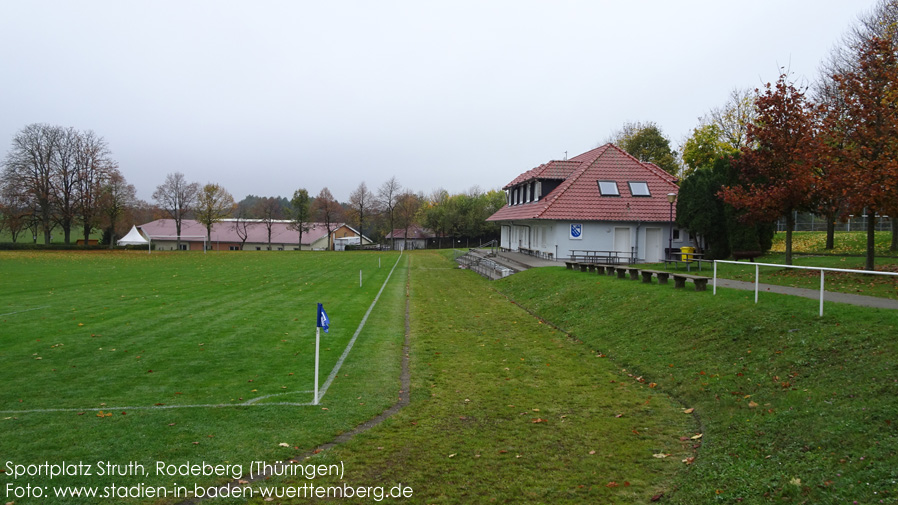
249 403
26 310
358 330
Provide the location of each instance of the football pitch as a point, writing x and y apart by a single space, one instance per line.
118 362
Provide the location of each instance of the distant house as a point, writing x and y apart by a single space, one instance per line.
416 238
229 235
601 200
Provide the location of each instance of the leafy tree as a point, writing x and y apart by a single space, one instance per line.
704 147
869 126
407 206
214 204
702 212
176 197
301 216
647 143
328 210
777 164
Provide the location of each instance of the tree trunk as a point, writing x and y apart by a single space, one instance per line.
871 242
790 225
894 246
830 231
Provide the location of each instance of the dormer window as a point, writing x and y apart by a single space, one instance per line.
639 188
608 188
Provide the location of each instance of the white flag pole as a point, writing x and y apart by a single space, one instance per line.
317 336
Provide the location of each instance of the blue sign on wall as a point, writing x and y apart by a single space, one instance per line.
576 231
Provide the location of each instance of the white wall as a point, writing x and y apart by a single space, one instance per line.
544 236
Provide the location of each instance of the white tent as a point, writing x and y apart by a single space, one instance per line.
133 238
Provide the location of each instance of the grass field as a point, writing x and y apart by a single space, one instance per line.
550 386
167 346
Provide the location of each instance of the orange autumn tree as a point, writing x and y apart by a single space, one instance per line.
867 128
777 164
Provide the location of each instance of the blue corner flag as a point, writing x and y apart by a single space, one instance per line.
323 320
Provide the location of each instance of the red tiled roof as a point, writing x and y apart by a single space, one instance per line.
578 197
415 232
551 170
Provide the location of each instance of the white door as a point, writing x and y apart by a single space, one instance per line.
652 245
622 243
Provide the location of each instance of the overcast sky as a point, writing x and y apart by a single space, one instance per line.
265 97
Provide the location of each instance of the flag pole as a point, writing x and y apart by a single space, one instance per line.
317 337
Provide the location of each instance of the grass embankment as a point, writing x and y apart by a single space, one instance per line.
136 336
795 408
809 250
505 409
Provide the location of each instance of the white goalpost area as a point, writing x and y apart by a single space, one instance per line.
150 240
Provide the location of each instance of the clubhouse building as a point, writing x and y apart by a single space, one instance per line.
601 200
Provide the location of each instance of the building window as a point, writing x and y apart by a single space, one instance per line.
608 188
676 234
527 192
536 192
638 188
234 248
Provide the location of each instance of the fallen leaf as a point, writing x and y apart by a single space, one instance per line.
660 455
696 437
538 420
453 454
284 444
688 411
612 484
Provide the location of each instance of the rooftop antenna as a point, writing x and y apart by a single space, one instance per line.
565 156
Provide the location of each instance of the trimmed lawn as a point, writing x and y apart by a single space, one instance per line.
142 338
796 408
506 409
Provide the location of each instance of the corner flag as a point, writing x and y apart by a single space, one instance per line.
323 320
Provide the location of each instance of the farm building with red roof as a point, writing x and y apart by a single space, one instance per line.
601 200
250 235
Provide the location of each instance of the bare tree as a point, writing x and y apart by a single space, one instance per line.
116 197
29 168
269 210
176 197
328 211
301 217
387 197
241 223
214 203
361 205
94 165
64 180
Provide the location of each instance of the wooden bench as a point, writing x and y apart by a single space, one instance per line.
647 276
571 265
621 272
746 255
701 283
634 273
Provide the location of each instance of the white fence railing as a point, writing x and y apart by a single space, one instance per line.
821 269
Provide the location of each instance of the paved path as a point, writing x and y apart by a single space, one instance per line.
828 296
